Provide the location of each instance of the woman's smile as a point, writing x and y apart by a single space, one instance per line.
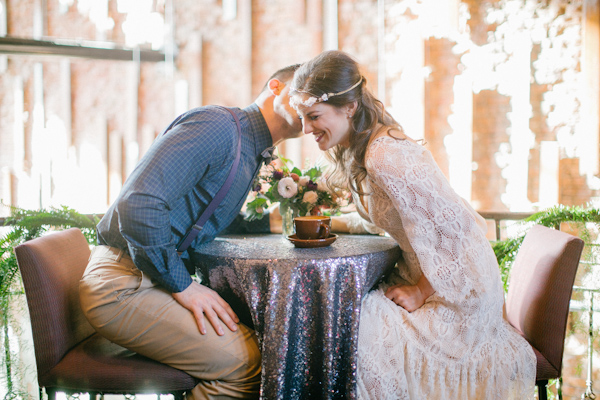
318 136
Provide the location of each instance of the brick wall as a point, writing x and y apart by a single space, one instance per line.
439 96
573 188
489 132
118 110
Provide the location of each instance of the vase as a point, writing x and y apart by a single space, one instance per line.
287 220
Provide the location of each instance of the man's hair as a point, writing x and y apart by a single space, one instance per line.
284 75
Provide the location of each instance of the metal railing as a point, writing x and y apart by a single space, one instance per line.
499 216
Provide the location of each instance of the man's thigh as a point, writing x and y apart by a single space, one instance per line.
127 308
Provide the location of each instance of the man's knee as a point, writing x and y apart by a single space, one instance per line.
244 357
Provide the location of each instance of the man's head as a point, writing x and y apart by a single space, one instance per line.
274 103
285 75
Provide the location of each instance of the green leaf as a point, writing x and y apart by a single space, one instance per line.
313 173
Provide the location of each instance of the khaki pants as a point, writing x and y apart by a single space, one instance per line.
126 307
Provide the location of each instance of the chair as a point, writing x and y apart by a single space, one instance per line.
70 356
539 293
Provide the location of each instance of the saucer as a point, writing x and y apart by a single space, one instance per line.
310 243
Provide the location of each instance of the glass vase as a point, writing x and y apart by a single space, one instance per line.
287 220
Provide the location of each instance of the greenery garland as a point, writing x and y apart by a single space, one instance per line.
506 250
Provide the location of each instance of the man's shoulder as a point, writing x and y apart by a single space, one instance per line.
209 113
206 120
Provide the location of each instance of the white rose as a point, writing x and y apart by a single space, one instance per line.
287 188
310 197
303 181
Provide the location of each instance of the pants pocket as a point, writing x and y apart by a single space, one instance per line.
128 285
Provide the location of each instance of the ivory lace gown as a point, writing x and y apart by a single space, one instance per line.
457 345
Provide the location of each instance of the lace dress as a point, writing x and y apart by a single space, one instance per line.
457 345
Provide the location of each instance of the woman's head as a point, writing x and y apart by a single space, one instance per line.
332 77
325 92
330 94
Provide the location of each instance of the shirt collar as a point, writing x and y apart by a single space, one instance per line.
259 129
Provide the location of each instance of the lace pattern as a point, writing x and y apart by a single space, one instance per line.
457 345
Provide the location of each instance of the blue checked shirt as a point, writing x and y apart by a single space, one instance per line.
175 181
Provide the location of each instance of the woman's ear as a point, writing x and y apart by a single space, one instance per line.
351 108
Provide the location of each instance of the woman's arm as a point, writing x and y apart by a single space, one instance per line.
451 249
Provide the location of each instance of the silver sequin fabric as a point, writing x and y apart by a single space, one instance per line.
304 304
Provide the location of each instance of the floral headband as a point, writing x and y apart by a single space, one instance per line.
313 99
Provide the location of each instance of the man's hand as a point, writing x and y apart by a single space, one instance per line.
201 301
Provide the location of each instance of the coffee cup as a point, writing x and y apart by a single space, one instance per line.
312 227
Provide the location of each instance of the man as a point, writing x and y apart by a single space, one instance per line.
137 291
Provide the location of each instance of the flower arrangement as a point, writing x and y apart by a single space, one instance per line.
301 192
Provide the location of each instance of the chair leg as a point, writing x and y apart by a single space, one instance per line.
51 393
542 390
178 395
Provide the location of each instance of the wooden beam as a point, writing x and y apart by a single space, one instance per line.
93 50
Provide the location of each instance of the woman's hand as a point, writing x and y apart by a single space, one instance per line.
275 219
410 297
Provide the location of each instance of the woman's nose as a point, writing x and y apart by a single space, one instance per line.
306 127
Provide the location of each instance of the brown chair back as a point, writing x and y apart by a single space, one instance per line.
70 356
51 267
540 286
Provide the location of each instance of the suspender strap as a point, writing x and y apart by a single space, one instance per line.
212 206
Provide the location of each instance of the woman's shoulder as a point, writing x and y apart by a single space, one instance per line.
389 131
391 139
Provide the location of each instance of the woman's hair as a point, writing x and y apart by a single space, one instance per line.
333 72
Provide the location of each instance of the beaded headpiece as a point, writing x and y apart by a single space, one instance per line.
314 99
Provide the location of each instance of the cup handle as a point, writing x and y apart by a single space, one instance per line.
324 231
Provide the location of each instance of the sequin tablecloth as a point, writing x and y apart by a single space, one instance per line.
303 303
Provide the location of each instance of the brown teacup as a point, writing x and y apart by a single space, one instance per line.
312 227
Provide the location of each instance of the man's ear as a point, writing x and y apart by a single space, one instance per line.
276 86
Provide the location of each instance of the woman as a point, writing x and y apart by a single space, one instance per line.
435 328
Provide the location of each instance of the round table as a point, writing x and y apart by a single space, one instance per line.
304 304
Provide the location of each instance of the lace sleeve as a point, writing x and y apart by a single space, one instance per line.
444 235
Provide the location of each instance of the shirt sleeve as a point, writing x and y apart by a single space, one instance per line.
178 161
